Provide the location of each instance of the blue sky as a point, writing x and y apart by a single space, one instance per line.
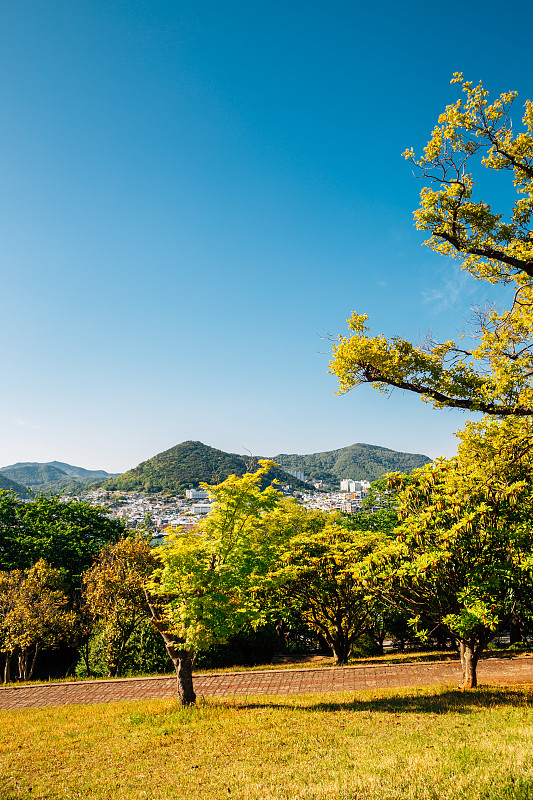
195 195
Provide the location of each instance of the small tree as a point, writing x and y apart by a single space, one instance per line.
114 594
34 614
316 582
204 588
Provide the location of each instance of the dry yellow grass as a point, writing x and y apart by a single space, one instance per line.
423 745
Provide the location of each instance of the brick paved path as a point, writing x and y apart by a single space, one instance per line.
276 682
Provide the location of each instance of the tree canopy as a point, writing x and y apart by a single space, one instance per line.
68 534
114 594
489 369
314 582
34 613
203 590
462 555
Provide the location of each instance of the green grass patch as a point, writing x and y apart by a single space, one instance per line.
419 745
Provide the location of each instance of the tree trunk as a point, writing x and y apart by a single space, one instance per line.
183 659
32 665
24 656
515 633
7 667
469 658
183 669
342 647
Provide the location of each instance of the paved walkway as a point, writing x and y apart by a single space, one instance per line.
517 670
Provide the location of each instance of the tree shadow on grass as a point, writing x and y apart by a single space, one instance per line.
441 701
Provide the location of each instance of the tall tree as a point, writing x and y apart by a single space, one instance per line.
491 369
204 589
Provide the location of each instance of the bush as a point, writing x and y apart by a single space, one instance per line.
145 654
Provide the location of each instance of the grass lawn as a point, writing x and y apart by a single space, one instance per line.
430 744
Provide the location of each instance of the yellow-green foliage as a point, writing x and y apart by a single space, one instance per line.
114 594
403 745
462 553
314 582
33 613
207 576
492 369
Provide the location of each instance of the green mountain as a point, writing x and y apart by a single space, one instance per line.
185 466
52 476
358 461
80 474
12 486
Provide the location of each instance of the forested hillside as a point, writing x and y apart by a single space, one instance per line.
358 461
52 476
12 486
185 466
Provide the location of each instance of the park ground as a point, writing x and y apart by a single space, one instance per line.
421 743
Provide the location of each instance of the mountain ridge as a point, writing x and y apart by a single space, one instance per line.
51 476
189 463
359 461
185 466
7 485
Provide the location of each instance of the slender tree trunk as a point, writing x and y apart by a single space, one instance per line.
34 659
23 663
7 667
469 660
183 659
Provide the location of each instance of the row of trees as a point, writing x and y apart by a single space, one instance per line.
463 551
453 552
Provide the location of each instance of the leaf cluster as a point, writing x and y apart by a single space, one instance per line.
206 584
490 368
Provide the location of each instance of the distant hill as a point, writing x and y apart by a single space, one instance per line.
12 486
52 476
185 466
358 461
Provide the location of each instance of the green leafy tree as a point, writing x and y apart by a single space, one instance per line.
491 369
34 613
316 583
68 534
378 525
462 557
205 588
115 597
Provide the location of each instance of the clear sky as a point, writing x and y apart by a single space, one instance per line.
196 194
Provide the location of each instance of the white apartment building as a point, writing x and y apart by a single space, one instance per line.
196 494
359 487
